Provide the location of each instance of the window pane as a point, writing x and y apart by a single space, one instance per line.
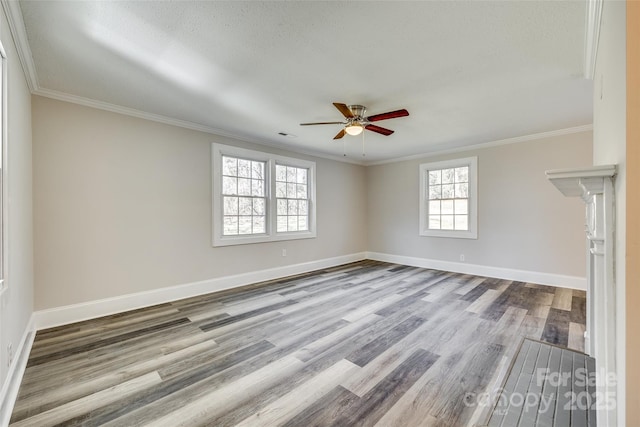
302 223
291 191
257 170
258 206
462 222
257 188
292 207
282 224
229 185
244 205
292 223
258 224
434 177
435 192
461 207
303 208
292 174
447 222
281 189
301 190
281 173
230 206
434 222
447 191
462 191
434 207
244 225
244 187
229 166
447 176
462 174
302 176
282 207
230 225
244 168
447 207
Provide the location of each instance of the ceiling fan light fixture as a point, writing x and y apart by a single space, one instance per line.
354 129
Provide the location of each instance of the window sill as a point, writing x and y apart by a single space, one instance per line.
247 240
450 234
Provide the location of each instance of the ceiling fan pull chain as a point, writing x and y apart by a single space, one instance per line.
344 149
362 144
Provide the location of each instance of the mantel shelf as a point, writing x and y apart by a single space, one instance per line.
570 181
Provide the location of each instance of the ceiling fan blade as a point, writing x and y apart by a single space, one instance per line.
344 110
389 115
340 134
378 129
322 123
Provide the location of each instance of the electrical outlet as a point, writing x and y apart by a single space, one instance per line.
462 257
284 252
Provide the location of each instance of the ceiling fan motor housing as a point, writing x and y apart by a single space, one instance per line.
358 111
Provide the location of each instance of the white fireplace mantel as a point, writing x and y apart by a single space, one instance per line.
595 186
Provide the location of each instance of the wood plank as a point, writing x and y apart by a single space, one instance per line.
590 363
533 400
226 397
371 350
563 402
502 404
371 407
579 391
516 406
549 396
576 336
67 411
562 299
274 352
299 398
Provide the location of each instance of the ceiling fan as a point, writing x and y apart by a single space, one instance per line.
356 120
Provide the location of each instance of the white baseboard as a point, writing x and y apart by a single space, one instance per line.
558 280
11 385
92 309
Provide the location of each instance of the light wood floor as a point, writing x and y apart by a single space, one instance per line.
366 344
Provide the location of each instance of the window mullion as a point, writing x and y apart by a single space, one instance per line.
271 198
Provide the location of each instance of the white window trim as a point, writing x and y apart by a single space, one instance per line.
472 233
219 150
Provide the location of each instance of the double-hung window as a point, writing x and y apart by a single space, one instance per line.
261 197
448 198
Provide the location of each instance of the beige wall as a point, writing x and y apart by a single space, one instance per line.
16 304
609 147
633 213
524 223
123 205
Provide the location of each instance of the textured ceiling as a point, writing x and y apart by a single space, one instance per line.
468 72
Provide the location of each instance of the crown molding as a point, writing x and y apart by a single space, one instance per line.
100 105
515 140
591 36
16 26
132 112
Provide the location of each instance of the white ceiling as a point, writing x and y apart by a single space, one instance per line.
468 72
